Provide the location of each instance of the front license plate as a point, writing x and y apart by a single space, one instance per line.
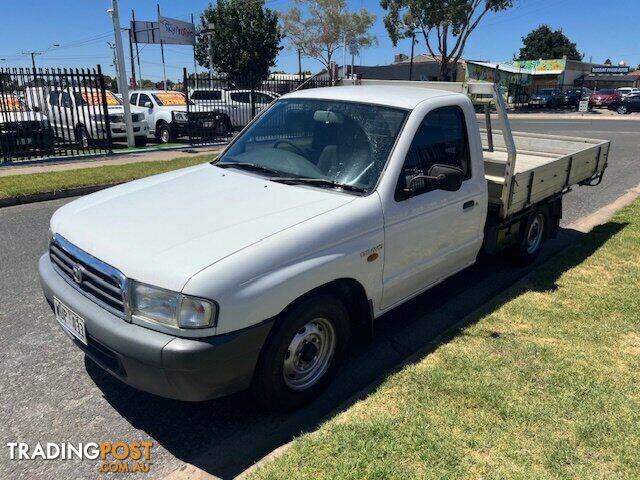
25 141
207 124
70 320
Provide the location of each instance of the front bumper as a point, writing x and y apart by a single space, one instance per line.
165 365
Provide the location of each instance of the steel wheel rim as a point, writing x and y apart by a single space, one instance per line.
84 139
309 354
164 135
622 110
535 233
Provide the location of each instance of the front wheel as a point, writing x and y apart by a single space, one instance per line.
141 141
165 134
301 354
532 236
83 138
622 110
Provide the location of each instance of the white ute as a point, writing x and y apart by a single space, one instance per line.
334 206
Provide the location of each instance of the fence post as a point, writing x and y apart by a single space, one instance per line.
105 108
185 88
253 97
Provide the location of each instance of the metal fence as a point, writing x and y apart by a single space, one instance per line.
53 112
217 106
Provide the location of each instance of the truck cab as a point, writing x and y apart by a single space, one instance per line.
333 207
166 112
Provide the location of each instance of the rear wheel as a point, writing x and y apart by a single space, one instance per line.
222 126
301 354
533 236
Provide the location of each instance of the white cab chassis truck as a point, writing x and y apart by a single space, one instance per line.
332 207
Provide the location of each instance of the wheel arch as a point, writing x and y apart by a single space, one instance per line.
350 292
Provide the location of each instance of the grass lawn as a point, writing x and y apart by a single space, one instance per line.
545 384
19 185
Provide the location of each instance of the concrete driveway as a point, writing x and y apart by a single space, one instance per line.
49 393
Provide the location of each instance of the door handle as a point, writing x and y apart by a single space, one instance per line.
468 205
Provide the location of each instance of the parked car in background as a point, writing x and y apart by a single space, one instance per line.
166 112
626 91
233 106
603 98
76 115
626 105
22 129
548 97
571 98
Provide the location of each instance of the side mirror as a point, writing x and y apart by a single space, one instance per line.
148 105
441 177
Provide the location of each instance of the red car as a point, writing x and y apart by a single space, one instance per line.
603 98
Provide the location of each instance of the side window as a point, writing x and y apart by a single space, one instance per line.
54 98
441 139
242 97
133 100
144 98
66 100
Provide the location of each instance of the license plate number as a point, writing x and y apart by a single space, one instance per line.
208 124
70 320
24 141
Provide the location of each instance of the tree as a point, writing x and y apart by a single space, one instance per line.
545 43
452 21
608 61
245 40
320 28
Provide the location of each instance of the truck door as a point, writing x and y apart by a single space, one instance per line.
143 101
431 233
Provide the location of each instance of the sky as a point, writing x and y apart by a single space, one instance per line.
601 28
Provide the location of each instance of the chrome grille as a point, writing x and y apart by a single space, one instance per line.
100 282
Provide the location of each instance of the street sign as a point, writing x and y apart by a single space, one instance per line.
584 106
610 69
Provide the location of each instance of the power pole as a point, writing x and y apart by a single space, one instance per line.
122 73
413 42
133 60
164 67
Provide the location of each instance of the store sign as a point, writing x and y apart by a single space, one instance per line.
609 69
176 32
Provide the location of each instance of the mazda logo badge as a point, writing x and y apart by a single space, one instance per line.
77 273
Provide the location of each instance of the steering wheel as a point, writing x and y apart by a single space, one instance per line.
297 149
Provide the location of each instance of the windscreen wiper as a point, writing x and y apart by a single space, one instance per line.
320 182
246 166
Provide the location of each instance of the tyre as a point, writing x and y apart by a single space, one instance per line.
622 109
532 236
222 126
82 137
164 133
301 354
141 141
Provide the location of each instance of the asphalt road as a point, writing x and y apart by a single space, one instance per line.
49 393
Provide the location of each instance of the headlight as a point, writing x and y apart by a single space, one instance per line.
116 118
180 116
169 308
44 123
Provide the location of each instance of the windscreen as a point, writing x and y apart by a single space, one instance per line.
12 104
170 99
94 98
344 142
